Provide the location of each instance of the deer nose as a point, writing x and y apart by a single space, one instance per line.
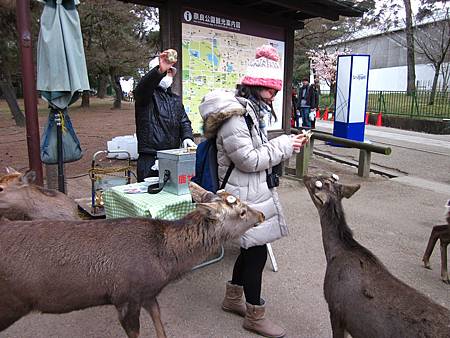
261 218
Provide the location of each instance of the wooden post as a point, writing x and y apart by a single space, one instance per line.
288 71
170 29
287 90
302 161
364 163
311 146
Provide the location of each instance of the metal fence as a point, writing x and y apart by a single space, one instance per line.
399 103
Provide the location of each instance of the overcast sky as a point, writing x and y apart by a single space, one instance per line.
414 4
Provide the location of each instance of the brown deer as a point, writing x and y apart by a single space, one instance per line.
364 298
62 266
21 199
441 232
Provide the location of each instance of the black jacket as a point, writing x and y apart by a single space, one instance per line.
309 97
316 94
161 121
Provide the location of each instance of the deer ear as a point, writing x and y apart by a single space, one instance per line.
349 190
209 210
200 195
11 170
29 177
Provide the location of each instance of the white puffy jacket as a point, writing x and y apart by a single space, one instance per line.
223 115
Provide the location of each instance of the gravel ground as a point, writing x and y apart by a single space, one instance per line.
391 219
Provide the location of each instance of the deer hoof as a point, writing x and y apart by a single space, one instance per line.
446 280
426 265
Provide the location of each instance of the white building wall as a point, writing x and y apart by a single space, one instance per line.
395 78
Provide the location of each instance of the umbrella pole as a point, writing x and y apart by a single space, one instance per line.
59 145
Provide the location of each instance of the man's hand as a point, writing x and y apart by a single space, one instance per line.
188 143
166 60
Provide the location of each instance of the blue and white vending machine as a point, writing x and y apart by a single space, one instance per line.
351 96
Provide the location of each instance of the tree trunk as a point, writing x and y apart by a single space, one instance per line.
102 85
118 97
437 70
410 53
333 92
445 72
10 96
85 99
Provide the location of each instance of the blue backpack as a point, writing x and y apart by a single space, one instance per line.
206 167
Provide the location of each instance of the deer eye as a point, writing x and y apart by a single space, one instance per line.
318 185
1 189
243 213
231 199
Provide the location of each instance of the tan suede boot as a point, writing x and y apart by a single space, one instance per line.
233 299
255 321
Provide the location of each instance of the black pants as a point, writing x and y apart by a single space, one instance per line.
145 163
248 270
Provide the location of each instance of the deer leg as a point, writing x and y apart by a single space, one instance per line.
129 318
11 310
444 272
435 234
6 320
337 326
152 308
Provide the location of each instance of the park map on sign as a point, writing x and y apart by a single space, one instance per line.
214 59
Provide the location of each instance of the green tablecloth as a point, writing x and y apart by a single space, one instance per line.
163 205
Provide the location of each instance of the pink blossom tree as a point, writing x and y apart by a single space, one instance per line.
324 67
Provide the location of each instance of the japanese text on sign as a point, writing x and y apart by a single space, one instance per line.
211 20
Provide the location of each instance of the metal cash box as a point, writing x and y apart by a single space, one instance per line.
181 164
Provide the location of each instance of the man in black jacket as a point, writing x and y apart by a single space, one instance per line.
305 102
161 121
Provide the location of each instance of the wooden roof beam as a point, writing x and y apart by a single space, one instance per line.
254 14
314 9
250 3
281 11
149 3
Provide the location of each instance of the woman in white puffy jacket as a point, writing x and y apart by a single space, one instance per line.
238 122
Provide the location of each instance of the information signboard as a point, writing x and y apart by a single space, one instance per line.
216 50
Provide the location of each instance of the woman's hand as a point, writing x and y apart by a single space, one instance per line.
298 141
167 59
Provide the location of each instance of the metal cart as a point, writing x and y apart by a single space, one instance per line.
101 179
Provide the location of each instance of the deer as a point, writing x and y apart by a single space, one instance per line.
21 199
441 233
55 266
364 298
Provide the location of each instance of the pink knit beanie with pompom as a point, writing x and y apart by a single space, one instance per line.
265 70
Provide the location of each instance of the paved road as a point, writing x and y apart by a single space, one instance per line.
415 155
392 134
